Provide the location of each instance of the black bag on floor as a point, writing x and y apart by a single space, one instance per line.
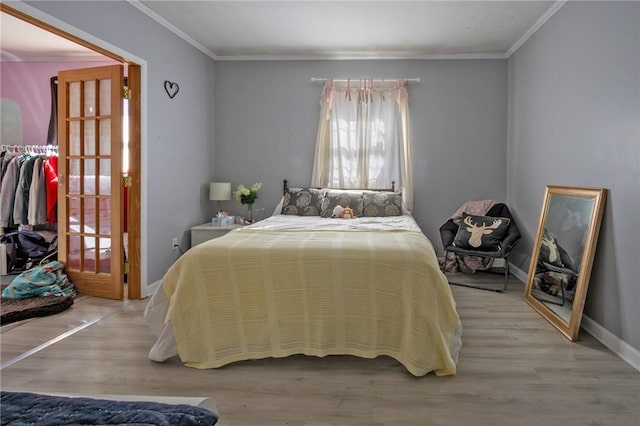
23 247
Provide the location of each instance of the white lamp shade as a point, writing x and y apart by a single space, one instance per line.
219 191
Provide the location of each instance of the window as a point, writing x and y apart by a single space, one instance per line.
363 137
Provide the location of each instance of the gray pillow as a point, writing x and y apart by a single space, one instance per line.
302 202
333 197
382 204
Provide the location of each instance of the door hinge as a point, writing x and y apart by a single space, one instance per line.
126 93
125 268
127 181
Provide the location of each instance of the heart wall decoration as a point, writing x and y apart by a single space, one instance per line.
171 88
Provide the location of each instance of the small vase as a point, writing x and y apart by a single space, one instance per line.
249 217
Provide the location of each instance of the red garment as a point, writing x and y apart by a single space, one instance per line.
51 181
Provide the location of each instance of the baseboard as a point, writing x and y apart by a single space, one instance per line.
616 345
150 289
518 273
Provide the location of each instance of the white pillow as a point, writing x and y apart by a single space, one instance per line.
278 210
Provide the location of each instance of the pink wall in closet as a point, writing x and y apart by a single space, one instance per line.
27 84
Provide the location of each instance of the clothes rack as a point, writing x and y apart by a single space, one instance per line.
30 149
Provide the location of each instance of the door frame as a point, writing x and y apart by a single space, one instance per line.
135 74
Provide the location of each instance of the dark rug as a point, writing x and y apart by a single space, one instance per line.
25 408
20 309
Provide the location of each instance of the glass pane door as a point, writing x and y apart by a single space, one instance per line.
90 138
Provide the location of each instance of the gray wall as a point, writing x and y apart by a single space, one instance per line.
267 118
574 119
179 131
567 101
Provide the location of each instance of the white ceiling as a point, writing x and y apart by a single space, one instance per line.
21 41
351 29
317 29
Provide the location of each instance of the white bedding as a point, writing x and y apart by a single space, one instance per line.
317 223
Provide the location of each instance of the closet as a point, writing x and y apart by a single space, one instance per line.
90 175
28 194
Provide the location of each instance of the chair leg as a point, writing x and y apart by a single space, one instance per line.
497 290
506 274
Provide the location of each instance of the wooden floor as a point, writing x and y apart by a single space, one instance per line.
514 369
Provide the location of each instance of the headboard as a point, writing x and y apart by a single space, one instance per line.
392 189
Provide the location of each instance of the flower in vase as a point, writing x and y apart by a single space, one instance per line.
247 195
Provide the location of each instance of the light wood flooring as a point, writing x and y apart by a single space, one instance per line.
514 369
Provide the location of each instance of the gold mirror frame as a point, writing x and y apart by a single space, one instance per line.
562 310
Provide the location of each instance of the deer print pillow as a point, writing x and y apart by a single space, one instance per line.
483 233
550 250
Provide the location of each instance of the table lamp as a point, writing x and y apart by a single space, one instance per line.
219 191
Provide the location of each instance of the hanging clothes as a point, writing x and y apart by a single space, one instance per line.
21 198
38 195
28 186
8 191
51 181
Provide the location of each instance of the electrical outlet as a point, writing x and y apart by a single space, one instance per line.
174 243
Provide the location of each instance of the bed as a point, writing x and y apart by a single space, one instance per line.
307 283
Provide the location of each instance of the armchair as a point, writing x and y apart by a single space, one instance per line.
500 246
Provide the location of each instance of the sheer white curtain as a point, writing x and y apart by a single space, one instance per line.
363 138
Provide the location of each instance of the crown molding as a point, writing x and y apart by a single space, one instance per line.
159 19
535 27
356 57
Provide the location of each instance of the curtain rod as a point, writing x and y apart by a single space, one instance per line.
344 80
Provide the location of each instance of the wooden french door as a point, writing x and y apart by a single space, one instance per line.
90 225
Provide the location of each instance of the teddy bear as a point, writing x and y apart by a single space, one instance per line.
347 213
343 212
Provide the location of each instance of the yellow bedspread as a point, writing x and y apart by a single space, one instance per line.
257 293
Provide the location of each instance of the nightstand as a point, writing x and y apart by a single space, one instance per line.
206 232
